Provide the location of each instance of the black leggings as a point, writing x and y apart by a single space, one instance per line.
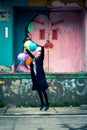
41 93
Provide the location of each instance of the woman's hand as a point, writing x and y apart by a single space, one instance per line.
43 44
24 50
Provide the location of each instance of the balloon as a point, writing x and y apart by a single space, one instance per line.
51 45
32 46
27 43
30 27
46 45
22 56
28 61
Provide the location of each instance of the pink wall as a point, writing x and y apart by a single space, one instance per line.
67 52
85 37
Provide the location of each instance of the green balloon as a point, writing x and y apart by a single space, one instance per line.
30 27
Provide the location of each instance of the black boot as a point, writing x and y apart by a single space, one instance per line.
41 107
46 106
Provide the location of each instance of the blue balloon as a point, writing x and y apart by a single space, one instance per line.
33 46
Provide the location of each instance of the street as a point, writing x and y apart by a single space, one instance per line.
43 122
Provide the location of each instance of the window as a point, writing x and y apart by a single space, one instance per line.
42 34
54 34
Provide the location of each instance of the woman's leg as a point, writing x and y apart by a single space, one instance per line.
46 99
41 99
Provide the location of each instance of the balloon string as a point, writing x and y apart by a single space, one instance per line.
21 62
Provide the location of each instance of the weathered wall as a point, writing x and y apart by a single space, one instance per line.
67 53
14 15
63 89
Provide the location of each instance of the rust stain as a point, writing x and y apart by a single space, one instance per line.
49 2
2 82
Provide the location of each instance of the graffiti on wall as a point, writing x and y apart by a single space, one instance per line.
18 91
76 85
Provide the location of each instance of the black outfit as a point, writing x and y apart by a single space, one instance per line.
38 76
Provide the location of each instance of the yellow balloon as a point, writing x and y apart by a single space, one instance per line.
27 44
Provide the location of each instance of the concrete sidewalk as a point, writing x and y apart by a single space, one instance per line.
52 111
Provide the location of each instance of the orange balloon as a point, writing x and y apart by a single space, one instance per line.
28 61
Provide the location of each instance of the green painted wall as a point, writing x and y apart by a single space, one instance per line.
19 17
6 44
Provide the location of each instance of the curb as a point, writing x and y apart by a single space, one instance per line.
83 107
9 111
